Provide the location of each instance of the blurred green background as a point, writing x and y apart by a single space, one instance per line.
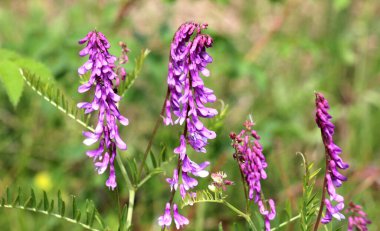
269 58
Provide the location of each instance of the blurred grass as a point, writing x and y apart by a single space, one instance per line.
269 58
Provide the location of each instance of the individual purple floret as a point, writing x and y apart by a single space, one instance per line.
252 163
357 218
332 178
186 100
179 220
268 215
166 219
101 64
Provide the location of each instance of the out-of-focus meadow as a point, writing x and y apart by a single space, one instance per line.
269 59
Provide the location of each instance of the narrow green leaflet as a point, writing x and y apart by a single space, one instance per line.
132 76
309 205
123 219
54 96
218 121
220 227
203 196
55 208
11 80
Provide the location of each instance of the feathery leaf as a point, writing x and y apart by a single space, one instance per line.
44 207
309 205
54 96
131 77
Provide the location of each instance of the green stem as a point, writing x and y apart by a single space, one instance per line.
233 208
131 205
322 199
123 171
156 126
246 217
287 222
245 190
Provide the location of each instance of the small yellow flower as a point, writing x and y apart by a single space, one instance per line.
43 181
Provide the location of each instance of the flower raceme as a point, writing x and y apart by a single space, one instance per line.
333 161
102 79
358 218
252 163
166 219
186 101
188 95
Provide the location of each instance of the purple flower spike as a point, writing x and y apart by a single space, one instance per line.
166 219
251 160
179 220
358 218
186 100
334 162
102 79
188 95
252 163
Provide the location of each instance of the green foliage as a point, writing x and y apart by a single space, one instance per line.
123 219
217 122
54 209
309 204
202 196
55 97
11 80
27 63
132 76
10 65
220 226
156 166
333 48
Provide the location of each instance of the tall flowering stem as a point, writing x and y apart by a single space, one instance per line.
188 96
252 164
101 65
333 162
357 218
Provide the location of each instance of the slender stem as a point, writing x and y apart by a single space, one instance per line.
146 178
246 217
233 208
123 171
118 202
287 222
156 126
322 199
245 190
132 193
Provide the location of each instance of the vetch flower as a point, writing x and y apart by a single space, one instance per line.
166 219
102 79
268 215
333 161
188 95
179 220
358 218
173 181
186 100
219 181
252 163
